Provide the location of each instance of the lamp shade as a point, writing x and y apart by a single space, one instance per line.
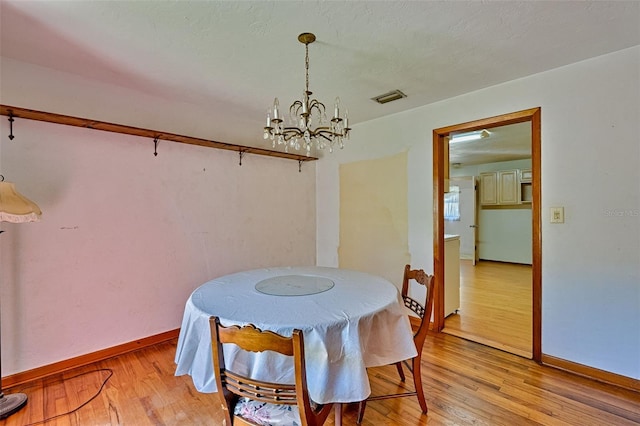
15 207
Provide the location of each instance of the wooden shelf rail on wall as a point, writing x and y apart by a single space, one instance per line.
50 117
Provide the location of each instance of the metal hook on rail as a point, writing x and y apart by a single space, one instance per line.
11 126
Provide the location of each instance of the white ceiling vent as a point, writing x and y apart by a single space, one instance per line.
389 97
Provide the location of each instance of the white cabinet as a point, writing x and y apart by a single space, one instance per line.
508 187
451 274
526 187
488 188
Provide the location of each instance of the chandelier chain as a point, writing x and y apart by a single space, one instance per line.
306 66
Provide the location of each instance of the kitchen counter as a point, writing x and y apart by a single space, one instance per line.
451 274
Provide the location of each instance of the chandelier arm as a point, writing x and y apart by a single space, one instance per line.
319 130
295 106
291 132
323 133
314 103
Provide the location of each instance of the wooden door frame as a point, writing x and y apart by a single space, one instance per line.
439 166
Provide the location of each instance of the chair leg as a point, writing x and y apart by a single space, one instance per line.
417 382
400 371
338 413
361 406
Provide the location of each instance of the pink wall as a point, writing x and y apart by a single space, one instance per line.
125 237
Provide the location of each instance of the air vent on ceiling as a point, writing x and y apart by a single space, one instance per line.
389 97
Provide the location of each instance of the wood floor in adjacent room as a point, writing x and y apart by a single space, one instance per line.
495 306
465 384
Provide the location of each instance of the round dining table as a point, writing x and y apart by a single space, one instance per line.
350 320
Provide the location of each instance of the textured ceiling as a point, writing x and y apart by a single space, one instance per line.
233 58
504 143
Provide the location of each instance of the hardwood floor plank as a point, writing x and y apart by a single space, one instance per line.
495 306
557 408
465 384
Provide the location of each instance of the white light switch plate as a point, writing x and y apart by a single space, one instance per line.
557 214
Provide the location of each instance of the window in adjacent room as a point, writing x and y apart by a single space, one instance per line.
452 204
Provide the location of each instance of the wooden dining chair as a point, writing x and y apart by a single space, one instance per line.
246 401
423 311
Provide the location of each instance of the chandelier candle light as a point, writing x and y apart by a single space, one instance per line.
304 115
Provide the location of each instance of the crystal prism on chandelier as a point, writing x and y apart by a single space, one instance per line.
307 123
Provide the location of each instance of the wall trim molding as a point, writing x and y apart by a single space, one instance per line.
82 360
577 369
591 372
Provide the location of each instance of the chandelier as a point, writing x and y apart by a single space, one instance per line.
307 123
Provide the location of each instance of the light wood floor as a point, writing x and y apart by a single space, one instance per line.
495 306
465 384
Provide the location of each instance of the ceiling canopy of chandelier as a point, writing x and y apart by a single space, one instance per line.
307 123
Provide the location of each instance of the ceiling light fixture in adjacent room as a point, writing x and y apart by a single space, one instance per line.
308 124
469 136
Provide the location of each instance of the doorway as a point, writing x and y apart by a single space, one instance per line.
441 177
461 216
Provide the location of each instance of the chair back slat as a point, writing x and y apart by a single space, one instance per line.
414 305
272 393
